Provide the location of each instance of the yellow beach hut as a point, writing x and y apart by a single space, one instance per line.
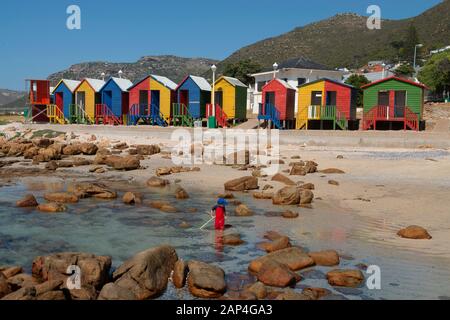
87 95
231 95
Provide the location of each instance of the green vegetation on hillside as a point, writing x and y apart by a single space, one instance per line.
436 73
241 70
358 81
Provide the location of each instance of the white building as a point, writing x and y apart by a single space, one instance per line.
295 72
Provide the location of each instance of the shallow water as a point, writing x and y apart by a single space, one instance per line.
112 228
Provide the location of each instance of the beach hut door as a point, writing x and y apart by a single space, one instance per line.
59 100
400 103
219 98
81 100
155 102
143 102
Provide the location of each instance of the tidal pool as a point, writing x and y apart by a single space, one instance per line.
115 229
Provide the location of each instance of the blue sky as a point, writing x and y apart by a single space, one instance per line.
35 42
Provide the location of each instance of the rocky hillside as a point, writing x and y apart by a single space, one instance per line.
7 96
175 68
344 40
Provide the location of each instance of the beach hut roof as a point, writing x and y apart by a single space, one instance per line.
202 83
329 80
123 84
165 81
96 84
235 82
417 84
285 84
70 84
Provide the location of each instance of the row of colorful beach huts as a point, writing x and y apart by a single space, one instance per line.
156 100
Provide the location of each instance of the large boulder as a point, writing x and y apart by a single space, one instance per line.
88 148
306 196
31 153
293 257
414 232
72 149
345 278
41 142
258 289
180 193
88 189
325 258
233 239
242 184
94 269
287 196
276 274
157 182
205 280
112 291
147 273
277 244
332 171
125 163
132 198
28 201
283 179
51 207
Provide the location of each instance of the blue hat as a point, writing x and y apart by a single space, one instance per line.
222 202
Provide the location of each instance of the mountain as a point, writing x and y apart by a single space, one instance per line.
7 96
175 68
345 41
15 106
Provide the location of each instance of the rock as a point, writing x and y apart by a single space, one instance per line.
232 239
242 184
293 296
61 197
267 187
148 150
48 154
51 207
306 197
41 142
308 186
276 274
71 150
310 167
205 280
112 291
48 286
163 206
243 211
283 179
345 278
297 170
27 293
126 163
21 280
339 156
316 293
247 295
132 198
146 274
333 182
288 214
29 201
88 148
80 162
414 232
277 244
4 287
272 235
120 146
88 189
287 196
31 153
295 157
180 271
9 272
157 182
85 293
258 289
163 171
293 257
325 258
52 296
226 195
51 165
263 195
184 225
103 151
180 194
332 171
238 157
94 269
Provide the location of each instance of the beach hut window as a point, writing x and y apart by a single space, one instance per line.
219 98
331 98
383 98
316 98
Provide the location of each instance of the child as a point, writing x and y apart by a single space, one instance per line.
220 213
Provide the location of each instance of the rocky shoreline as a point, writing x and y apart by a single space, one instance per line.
147 274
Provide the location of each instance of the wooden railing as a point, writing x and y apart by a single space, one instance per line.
55 115
104 114
221 116
270 112
181 115
318 112
383 113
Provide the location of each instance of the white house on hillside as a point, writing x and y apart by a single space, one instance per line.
295 72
